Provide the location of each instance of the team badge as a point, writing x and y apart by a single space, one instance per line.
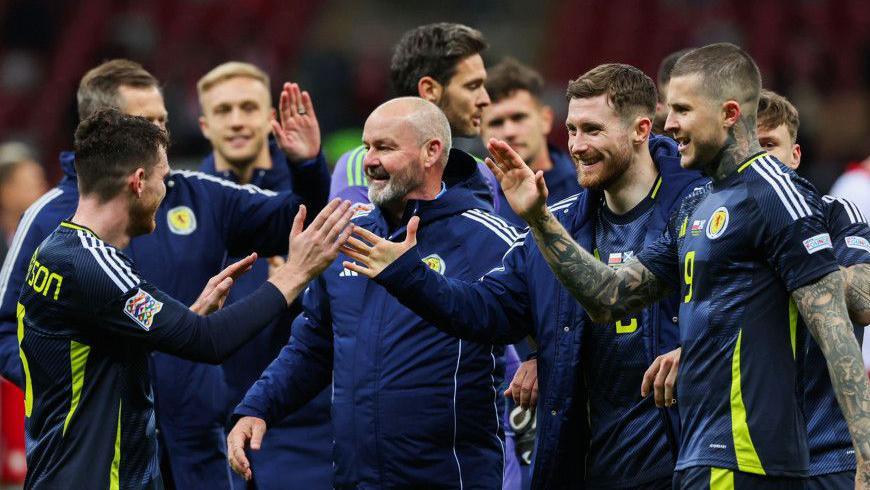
718 223
819 242
142 308
435 263
361 209
181 220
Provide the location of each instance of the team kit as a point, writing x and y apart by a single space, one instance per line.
668 304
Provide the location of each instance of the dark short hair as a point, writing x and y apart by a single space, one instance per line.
432 50
727 72
510 75
111 145
774 109
667 66
629 90
98 89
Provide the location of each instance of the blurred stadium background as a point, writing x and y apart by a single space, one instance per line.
815 52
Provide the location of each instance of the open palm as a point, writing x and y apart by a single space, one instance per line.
524 189
296 130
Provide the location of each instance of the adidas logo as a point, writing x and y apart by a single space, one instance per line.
347 273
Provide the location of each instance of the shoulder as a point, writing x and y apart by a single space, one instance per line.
492 226
350 165
201 181
838 208
100 267
776 189
565 209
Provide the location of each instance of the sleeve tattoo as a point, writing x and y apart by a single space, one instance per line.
823 308
858 292
606 295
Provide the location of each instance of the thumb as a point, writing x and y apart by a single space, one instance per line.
411 234
508 393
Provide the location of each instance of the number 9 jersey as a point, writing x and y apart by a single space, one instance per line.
736 251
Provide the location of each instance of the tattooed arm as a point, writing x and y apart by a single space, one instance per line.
606 294
858 292
823 307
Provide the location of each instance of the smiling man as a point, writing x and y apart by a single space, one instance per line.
238 119
440 63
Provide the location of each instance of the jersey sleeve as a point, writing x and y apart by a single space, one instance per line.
348 178
850 234
302 369
661 256
28 236
790 217
112 300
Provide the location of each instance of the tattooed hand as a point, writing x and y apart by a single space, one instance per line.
605 294
823 307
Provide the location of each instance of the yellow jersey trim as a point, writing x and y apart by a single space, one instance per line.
28 382
115 473
792 326
744 449
721 479
750 162
656 187
78 356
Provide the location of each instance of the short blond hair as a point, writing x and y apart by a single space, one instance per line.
229 70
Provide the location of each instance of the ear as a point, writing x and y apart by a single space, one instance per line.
432 151
796 155
546 119
730 113
136 181
428 88
203 126
641 129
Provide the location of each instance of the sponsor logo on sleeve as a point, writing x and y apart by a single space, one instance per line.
436 263
718 223
819 242
142 308
181 220
858 242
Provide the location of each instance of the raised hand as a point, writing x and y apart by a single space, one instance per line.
296 130
374 253
525 190
247 431
218 287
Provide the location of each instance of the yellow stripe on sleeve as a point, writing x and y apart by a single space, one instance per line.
28 383
115 474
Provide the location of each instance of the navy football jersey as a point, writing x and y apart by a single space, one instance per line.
736 252
86 323
617 354
831 449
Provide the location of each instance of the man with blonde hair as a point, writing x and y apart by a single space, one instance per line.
237 118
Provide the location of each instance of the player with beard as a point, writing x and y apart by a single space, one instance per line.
441 63
412 407
633 183
747 253
87 322
238 118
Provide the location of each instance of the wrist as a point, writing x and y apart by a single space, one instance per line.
289 281
537 217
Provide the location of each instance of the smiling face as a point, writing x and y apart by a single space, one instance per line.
236 115
392 163
598 140
521 122
695 121
777 141
143 211
465 96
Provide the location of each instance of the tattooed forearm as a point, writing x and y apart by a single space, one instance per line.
823 308
858 293
605 294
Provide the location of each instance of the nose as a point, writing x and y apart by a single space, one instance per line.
671 125
236 117
483 99
577 144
